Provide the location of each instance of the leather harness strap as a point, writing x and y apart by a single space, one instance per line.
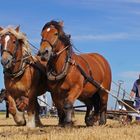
52 76
88 78
55 77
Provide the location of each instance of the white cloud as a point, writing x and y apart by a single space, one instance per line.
130 74
105 37
136 12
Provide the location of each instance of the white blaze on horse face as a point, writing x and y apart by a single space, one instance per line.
48 29
7 38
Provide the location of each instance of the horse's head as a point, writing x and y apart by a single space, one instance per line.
51 33
11 40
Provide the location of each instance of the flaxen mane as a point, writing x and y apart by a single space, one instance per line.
19 35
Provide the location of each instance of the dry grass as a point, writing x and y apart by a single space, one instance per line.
113 130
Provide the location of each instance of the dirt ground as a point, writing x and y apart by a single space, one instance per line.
113 130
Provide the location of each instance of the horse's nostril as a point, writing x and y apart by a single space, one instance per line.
44 52
43 58
47 51
40 53
4 62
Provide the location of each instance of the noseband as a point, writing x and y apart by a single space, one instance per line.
52 45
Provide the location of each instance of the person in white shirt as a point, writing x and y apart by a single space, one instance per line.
42 100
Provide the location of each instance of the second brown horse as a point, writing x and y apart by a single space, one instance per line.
69 74
24 76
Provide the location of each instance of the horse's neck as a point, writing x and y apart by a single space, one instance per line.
59 62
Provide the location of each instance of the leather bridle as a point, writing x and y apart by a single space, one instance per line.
52 75
14 60
9 52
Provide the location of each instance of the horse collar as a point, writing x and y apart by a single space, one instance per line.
17 73
21 69
52 76
52 45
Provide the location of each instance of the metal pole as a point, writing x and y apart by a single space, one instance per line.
123 94
120 82
44 102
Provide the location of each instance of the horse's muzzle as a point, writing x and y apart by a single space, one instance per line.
45 56
6 63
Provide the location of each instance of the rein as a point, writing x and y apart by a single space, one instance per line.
23 58
58 53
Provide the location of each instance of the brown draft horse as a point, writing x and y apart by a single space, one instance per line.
22 76
69 74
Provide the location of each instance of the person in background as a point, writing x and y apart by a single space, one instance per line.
43 105
53 110
135 93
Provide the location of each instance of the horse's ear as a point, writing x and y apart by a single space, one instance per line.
1 28
61 23
17 28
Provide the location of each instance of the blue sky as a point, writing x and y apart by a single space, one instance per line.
108 27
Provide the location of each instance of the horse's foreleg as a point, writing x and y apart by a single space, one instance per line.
17 115
61 115
31 113
68 108
58 102
72 95
19 118
37 118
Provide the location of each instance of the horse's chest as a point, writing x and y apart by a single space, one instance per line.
17 86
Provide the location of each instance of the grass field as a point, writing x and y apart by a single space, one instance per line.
113 130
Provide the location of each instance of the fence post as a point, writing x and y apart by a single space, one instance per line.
119 87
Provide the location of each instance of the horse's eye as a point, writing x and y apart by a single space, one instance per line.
14 41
